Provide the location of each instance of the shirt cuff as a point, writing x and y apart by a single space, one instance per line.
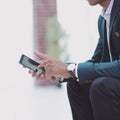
76 72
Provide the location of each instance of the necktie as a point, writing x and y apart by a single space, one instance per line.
106 56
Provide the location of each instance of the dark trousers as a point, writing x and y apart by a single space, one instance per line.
99 100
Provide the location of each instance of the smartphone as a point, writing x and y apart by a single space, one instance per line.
30 64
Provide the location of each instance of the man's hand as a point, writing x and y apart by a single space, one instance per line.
54 68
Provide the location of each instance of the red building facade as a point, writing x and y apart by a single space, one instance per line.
42 11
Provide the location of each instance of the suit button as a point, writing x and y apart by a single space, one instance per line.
88 81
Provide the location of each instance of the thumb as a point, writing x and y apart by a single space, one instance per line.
40 55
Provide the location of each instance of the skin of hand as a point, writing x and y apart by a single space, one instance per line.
54 68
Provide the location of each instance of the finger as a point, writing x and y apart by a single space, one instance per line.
30 71
38 76
40 55
34 74
45 63
41 77
53 79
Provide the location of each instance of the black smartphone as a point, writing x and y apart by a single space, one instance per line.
30 64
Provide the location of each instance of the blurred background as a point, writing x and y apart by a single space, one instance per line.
66 29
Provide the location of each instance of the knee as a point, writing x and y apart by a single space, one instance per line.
100 85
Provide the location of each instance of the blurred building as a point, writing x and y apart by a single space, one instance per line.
42 11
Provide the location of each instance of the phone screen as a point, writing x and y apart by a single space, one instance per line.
31 64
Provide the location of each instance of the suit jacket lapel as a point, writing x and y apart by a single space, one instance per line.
105 47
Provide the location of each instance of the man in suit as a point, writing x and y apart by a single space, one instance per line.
93 86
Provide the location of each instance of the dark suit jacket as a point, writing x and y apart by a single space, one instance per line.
100 64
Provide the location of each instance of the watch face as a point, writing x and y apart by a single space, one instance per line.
71 67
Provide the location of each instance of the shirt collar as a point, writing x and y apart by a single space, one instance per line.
107 12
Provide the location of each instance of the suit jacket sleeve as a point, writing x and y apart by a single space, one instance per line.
90 70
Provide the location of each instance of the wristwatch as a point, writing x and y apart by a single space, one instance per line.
71 68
